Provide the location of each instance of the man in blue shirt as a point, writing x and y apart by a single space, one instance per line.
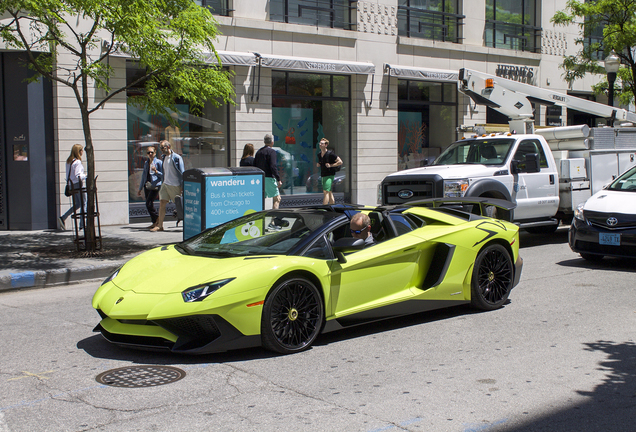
172 181
151 182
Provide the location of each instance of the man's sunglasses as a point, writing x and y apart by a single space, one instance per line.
151 152
358 231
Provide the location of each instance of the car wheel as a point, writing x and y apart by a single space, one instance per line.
591 257
293 314
492 278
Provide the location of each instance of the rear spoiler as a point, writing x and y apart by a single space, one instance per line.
470 205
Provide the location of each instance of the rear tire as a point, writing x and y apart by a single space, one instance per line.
493 276
293 315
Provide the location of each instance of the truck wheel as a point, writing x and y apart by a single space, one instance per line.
546 229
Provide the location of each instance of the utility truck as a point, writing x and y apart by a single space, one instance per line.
546 172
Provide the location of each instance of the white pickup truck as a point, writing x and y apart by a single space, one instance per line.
517 168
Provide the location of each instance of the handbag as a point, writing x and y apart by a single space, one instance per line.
68 190
151 187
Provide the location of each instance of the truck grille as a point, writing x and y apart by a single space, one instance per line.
405 189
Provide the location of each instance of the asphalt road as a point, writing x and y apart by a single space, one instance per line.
559 357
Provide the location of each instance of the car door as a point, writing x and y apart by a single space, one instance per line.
537 193
376 276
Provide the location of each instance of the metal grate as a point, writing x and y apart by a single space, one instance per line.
140 376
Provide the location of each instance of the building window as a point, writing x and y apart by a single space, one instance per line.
319 13
217 7
513 24
427 118
430 19
305 108
593 41
200 138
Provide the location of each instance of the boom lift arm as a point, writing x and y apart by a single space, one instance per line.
513 98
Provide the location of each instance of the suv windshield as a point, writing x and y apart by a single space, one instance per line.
273 232
626 182
479 151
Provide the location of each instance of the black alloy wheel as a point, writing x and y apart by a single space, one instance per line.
293 315
493 276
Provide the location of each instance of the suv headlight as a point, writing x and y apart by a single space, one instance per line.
455 188
200 292
578 213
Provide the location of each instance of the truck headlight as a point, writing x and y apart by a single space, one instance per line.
455 188
578 213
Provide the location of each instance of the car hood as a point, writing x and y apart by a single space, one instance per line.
607 201
165 270
451 171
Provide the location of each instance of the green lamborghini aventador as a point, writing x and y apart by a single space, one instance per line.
279 278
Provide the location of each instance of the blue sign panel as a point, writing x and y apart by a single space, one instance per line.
229 197
191 209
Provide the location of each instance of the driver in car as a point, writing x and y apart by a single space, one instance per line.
361 228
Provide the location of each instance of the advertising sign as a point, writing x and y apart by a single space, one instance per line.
213 196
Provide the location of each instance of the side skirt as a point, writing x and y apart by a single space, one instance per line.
391 311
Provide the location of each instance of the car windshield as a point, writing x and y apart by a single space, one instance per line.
480 151
626 182
273 232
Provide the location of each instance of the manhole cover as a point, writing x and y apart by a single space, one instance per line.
140 376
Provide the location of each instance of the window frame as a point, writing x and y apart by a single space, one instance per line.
520 30
409 12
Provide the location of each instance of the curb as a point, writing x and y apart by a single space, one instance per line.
64 276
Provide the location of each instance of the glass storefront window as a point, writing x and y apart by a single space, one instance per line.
201 139
513 24
427 117
305 108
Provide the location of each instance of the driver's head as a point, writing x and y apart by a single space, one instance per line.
360 226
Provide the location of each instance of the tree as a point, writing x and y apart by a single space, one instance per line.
171 39
605 25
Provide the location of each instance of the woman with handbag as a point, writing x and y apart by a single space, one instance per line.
151 179
74 177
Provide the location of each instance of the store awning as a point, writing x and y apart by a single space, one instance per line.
231 58
424 74
316 65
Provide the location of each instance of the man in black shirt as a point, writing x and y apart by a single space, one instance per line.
328 162
265 159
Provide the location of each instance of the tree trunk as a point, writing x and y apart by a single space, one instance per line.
89 225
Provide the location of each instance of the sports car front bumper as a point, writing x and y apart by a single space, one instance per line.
195 334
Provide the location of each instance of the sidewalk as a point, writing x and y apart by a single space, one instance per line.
37 259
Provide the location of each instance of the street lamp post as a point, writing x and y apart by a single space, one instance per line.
612 63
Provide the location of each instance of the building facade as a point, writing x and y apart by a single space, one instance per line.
378 78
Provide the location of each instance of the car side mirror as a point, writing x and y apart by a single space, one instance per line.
346 245
514 166
533 163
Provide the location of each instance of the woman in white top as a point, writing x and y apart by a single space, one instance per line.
75 175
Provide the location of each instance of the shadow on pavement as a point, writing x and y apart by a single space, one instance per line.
610 406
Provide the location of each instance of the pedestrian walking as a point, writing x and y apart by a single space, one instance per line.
75 175
151 178
265 159
328 162
172 181
248 155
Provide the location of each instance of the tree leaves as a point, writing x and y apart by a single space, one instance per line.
617 19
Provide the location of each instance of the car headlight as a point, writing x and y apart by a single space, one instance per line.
200 292
578 213
455 188
112 276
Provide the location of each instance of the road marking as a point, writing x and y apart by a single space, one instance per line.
39 375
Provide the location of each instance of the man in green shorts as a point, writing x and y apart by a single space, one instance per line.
265 159
328 162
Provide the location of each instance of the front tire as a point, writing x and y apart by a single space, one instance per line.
293 314
493 276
